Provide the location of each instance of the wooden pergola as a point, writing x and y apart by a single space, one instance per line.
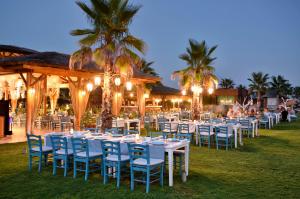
34 67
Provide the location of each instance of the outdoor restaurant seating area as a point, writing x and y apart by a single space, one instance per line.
89 113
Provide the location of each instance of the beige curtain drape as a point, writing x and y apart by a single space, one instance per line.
79 98
53 94
37 98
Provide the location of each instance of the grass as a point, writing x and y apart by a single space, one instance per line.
265 167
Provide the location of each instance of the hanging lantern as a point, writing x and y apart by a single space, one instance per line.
128 86
97 81
89 87
210 91
117 81
183 92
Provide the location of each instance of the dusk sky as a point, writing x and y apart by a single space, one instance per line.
252 35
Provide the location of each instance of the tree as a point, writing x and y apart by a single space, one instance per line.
241 87
296 91
227 83
258 84
146 68
115 49
281 85
199 73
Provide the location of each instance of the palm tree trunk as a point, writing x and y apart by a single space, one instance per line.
200 103
106 114
258 100
196 107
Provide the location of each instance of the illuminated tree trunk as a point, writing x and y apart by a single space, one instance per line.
196 107
200 103
258 100
106 114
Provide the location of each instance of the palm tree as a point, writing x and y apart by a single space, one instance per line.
198 72
241 87
115 49
146 68
227 83
259 84
281 85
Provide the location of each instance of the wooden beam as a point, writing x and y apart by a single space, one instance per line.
40 78
23 78
60 72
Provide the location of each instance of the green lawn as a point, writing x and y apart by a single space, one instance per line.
265 167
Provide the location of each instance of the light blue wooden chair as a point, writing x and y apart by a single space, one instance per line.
223 137
113 160
140 161
61 152
35 149
264 122
82 155
183 130
167 129
114 130
246 126
205 134
131 132
180 153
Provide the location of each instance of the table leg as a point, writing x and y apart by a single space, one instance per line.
256 128
197 141
186 158
241 137
235 137
253 129
170 158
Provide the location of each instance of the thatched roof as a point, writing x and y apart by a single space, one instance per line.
16 49
160 89
58 61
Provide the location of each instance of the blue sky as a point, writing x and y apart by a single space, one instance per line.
252 35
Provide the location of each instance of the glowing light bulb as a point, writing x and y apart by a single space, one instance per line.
146 95
117 81
131 94
97 81
128 86
183 92
89 87
210 91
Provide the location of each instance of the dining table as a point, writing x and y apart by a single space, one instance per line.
158 146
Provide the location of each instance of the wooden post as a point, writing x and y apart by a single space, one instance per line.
141 99
45 97
29 101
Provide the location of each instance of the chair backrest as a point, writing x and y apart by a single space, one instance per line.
59 143
34 141
222 129
231 121
128 132
183 128
204 128
166 126
184 136
139 151
80 145
114 130
245 122
111 148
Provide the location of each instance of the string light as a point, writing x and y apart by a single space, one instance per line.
183 92
128 86
97 81
146 95
117 81
210 91
89 87
31 91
